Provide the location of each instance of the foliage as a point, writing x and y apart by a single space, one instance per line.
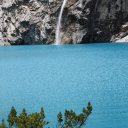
37 120
3 125
12 117
73 120
22 119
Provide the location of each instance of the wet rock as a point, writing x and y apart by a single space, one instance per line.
83 21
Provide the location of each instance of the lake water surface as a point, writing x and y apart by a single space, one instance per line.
67 77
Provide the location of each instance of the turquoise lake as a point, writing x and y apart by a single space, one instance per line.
67 77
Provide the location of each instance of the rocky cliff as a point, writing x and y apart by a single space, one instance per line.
83 21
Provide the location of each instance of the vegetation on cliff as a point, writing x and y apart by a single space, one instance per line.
37 119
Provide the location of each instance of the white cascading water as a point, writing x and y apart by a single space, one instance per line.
58 38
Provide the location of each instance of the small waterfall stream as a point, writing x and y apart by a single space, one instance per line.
58 38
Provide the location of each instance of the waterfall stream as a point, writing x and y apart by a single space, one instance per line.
58 38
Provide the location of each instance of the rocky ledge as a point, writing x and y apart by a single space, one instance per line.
83 21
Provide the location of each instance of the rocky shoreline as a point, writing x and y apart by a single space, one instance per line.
84 21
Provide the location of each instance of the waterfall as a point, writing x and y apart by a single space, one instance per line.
58 38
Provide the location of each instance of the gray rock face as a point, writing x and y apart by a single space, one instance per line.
83 21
